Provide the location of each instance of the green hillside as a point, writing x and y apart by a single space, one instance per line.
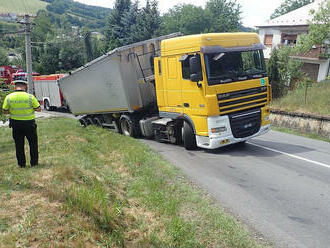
22 6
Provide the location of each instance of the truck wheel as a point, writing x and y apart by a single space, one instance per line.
47 105
188 136
127 126
178 133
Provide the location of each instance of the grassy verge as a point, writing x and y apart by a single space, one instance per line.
22 6
317 100
300 133
94 188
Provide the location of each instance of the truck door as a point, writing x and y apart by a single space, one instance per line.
173 85
193 98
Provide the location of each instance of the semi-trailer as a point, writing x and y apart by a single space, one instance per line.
206 90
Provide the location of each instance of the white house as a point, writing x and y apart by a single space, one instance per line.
285 31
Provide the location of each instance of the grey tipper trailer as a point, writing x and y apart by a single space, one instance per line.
117 82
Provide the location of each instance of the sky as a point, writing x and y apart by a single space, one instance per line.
254 12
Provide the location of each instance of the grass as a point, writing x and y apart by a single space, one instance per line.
22 6
317 101
94 188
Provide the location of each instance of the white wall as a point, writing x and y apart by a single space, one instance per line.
277 35
323 71
276 39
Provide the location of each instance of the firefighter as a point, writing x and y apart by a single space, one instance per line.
21 107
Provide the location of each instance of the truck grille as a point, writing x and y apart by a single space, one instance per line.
244 124
242 99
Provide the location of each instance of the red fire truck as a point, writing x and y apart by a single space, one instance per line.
8 71
48 92
21 75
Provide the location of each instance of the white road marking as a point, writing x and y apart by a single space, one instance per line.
291 155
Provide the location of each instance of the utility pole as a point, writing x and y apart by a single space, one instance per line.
27 29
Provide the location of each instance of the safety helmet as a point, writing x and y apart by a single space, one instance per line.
19 82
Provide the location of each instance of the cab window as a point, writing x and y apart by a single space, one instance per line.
185 66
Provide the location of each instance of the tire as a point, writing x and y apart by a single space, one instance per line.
47 105
97 122
127 126
188 136
89 121
178 133
83 122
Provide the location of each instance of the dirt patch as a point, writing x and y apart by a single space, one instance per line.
150 223
76 139
44 178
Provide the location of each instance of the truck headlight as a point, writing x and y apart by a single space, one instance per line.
218 129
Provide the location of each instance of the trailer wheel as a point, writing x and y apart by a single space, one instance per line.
47 105
97 122
83 122
188 136
127 126
89 121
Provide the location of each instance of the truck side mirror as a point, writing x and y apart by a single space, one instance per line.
195 67
194 77
195 64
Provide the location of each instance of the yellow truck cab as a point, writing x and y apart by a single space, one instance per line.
217 84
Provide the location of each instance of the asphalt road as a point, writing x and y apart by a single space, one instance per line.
278 184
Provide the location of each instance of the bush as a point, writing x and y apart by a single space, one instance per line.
5 89
283 71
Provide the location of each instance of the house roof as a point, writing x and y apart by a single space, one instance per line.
298 17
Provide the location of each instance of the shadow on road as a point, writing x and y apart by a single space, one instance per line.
249 149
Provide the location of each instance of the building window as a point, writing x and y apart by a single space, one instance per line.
268 40
289 39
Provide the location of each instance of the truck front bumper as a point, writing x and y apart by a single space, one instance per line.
216 142
220 133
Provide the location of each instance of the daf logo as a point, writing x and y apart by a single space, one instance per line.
247 125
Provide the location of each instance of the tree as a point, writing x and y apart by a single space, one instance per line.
71 54
283 71
88 45
43 26
288 6
129 21
318 30
148 21
114 33
187 19
3 58
4 91
49 59
225 15
274 75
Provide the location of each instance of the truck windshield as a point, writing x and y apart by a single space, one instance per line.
229 67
